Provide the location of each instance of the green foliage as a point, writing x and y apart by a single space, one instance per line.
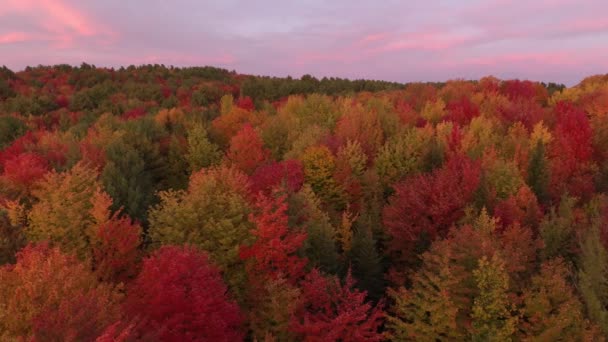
593 277
10 129
319 248
538 173
201 152
557 231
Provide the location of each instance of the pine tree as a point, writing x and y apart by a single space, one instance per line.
538 173
319 247
366 263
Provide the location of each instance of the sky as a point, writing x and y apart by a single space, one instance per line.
546 40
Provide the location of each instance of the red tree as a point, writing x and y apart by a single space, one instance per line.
571 153
520 208
23 170
426 206
267 177
247 150
461 111
182 297
245 103
330 311
275 248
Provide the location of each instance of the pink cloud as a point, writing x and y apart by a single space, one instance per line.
14 37
56 21
369 38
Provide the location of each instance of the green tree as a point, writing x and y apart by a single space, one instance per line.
593 277
319 246
538 173
201 152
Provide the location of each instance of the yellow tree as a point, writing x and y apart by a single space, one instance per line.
212 214
62 211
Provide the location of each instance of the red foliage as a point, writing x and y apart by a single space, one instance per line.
330 311
517 90
520 208
117 253
19 145
182 297
571 153
461 111
247 150
245 103
23 170
73 320
528 112
134 113
275 250
267 177
62 101
426 206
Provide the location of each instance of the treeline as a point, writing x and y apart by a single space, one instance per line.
153 203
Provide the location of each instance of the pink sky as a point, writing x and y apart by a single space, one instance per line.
548 40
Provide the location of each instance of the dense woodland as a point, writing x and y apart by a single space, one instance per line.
156 203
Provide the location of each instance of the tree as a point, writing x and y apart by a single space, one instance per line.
366 262
557 231
274 250
538 173
211 214
201 152
62 210
115 242
593 277
571 153
287 173
132 172
246 151
319 247
551 310
361 126
319 166
22 172
424 207
48 295
491 312
180 295
331 311
432 309
521 208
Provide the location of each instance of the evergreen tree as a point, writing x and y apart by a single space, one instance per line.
538 173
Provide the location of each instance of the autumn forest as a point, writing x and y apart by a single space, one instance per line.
158 203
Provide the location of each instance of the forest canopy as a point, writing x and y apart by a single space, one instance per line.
197 204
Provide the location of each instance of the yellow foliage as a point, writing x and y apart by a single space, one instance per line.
540 133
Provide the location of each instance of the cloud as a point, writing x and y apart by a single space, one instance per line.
14 37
